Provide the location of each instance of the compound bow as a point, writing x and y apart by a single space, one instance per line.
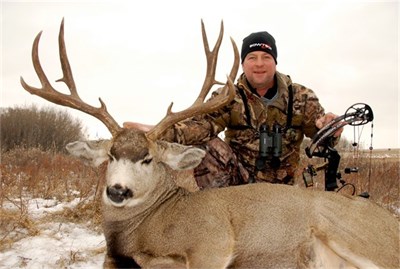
322 144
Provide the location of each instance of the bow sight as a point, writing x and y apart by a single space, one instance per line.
322 145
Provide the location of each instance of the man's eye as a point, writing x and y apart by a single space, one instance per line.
147 160
268 57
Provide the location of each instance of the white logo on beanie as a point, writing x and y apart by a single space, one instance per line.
261 45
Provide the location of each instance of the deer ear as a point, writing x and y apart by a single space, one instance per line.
180 157
92 155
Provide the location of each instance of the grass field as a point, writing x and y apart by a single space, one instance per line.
378 174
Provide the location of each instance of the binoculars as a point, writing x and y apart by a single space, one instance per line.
270 148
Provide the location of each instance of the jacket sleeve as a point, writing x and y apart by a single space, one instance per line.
311 109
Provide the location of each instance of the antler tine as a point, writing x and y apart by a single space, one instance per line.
199 107
211 57
70 100
236 63
66 67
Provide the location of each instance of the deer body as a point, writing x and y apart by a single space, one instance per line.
248 226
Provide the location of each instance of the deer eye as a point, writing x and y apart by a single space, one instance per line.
147 160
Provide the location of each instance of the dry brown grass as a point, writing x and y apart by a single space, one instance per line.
15 225
31 173
378 174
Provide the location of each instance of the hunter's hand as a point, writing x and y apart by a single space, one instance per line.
324 120
137 125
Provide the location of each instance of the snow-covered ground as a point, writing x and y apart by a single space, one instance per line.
56 244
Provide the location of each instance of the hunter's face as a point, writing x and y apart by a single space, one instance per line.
259 68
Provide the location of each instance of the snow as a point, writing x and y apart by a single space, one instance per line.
57 244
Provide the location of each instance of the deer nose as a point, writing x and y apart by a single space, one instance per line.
117 193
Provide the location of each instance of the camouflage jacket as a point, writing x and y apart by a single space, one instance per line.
244 139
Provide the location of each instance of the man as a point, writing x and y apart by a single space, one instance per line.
267 104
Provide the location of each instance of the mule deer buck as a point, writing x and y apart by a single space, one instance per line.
147 218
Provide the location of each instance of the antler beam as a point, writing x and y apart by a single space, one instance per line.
199 107
70 100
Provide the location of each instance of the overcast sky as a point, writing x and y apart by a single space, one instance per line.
138 56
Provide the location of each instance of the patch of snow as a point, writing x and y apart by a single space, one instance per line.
38 207
57 245
65 245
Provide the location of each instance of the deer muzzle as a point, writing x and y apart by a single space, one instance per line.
118 194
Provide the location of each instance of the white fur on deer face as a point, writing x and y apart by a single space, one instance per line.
129 183
139 167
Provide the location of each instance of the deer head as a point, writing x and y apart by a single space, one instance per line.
134 150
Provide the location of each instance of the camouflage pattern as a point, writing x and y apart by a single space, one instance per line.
220 167
244 139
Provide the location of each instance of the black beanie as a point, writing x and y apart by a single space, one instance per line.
259 41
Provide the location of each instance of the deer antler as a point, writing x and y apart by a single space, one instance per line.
71 100
199 107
